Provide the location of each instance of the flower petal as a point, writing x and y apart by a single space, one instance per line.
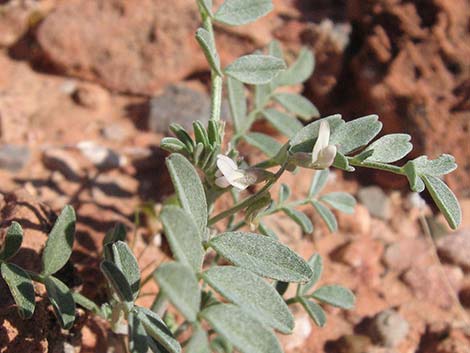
222 182
326 157
226 164
322 140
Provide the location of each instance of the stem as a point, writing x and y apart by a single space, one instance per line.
216 80
376 165
248 201
292 301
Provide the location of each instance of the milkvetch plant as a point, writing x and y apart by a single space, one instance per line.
230 287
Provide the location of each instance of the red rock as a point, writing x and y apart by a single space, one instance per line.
127 46
412 69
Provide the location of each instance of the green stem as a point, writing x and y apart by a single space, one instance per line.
292 300
376 165
248 201
216 80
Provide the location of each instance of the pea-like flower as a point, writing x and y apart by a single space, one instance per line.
230 174
323 154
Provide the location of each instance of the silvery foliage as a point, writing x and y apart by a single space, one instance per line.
237 306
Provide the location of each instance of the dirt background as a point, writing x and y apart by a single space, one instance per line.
112 73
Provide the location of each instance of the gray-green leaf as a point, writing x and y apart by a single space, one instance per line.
59 242
390 148
298 105
335 295
62 301
183 236
189 189
356 133
239 12
204 39
436 167
286 124
237 102
21 288
444 199
180 285
255 69
305 138
300 71
12 242
118 281
199 342
244 332
253 294
318 182
316 264
137 335
264 142
125 260
314 311
262 255
300 218
326 215
157 329
342 201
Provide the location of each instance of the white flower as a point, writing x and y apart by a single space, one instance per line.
323 154
229 174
